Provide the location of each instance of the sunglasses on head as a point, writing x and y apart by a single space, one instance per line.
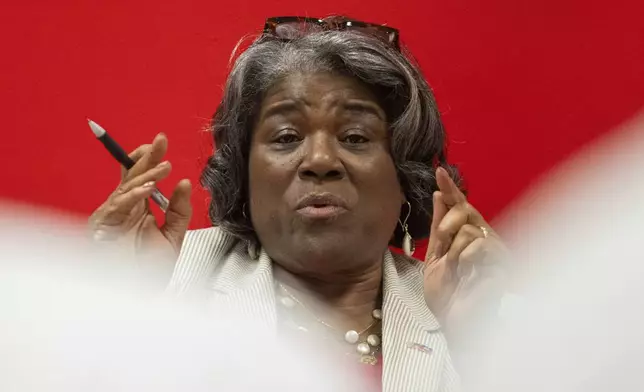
292 27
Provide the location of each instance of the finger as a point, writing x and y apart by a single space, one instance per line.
149 158
468 238
105 233
177 217
488 253
120 207
448 227
434 248
451 194
136 156
156 174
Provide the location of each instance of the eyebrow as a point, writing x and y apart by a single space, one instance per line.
359 106
281 108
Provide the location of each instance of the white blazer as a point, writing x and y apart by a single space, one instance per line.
215 265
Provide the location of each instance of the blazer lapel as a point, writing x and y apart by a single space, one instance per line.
415 352
245 287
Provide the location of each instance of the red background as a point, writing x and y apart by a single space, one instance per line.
521 84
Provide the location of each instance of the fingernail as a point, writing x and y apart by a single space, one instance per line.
149 184
163 164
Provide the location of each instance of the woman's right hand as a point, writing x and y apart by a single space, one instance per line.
125 217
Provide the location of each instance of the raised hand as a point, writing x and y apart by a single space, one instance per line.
125 217
461 275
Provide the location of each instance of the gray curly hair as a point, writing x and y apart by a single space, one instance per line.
417 133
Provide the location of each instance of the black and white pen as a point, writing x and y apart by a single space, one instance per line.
122 157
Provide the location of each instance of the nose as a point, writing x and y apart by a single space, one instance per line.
321 161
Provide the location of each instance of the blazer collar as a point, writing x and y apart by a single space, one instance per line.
415 353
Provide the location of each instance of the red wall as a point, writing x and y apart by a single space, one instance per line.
521 83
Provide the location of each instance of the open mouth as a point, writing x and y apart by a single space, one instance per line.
321 206
321 211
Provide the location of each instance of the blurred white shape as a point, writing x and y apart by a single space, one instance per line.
73 318
578 325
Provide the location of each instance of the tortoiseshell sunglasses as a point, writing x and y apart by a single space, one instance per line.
291 27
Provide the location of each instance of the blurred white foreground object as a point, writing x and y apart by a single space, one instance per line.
72 320
579 326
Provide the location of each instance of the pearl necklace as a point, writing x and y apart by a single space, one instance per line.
368 349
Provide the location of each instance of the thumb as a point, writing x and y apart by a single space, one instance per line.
177 217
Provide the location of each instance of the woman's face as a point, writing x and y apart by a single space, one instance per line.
324 194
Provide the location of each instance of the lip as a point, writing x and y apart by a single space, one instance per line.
321 206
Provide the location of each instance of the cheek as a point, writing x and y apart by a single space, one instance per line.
268 179
382 181
380 191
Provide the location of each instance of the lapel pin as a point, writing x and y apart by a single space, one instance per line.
420 347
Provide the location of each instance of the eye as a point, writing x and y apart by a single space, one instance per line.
355 138
287 136
287 139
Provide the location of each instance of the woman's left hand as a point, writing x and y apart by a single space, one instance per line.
463 272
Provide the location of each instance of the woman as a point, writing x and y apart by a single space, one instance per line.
327 142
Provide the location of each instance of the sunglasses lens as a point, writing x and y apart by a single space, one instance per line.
381 34
296 29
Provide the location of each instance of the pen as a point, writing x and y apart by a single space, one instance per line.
121 156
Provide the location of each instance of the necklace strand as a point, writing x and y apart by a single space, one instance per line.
291 296
367 350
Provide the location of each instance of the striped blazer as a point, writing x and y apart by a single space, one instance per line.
214 265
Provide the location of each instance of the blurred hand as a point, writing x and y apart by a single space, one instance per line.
125 217
462 275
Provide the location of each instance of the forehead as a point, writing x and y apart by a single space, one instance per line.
318 89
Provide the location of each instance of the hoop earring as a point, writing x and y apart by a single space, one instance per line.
244 211
408 244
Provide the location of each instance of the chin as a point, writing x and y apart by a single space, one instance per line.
330 253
